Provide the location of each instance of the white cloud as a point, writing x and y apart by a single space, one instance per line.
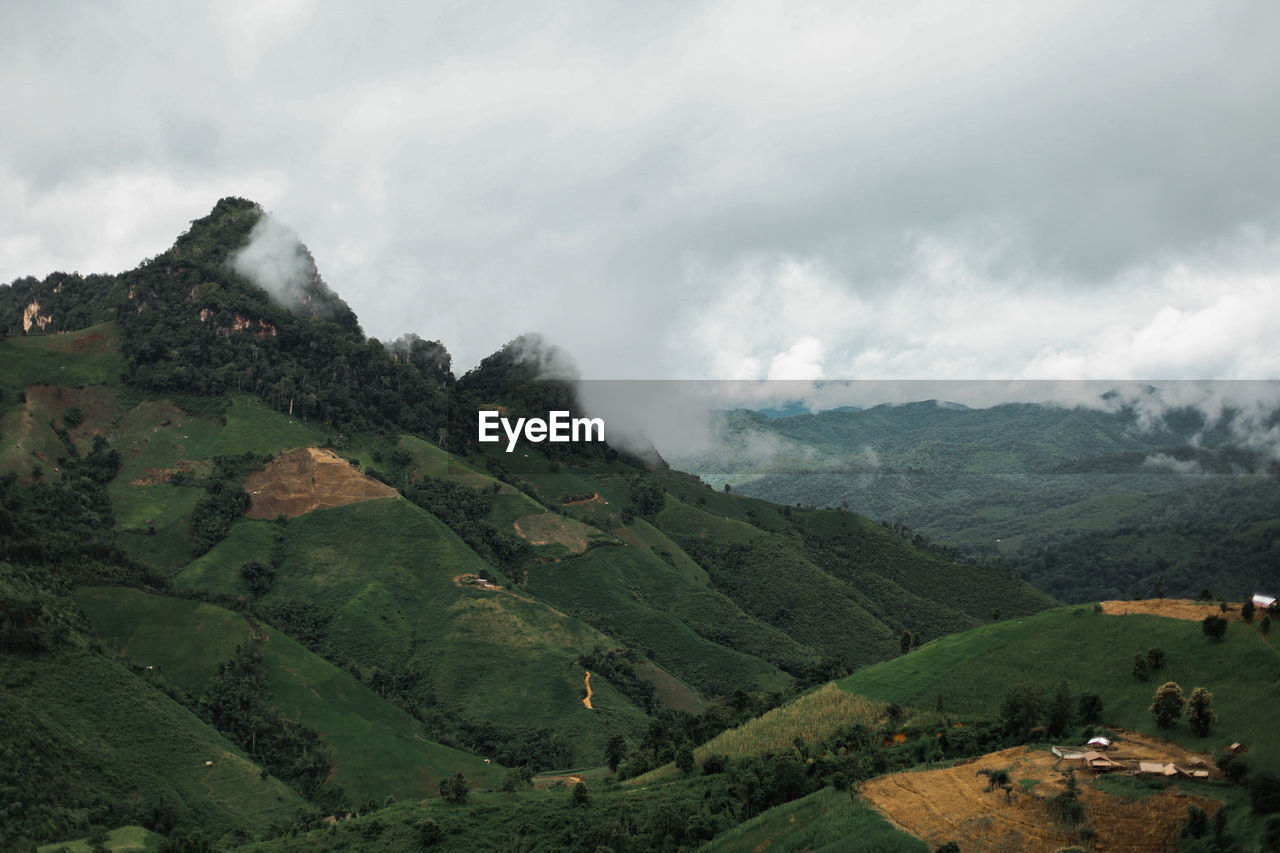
924 189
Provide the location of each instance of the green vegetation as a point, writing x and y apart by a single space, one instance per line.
373 585
1054 493
125 839
88 356
1092 653
378 749
114 750
825 820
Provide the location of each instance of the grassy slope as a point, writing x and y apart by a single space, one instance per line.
534 821
650 605
826 820
1094 653
126 839
385 570
867 554
55 359
157 437
119 736
835 582
377 747
815 716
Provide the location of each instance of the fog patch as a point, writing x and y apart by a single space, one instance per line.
275 260
1185 467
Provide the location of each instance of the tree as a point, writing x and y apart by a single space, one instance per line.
1265 625
1060 711
904 642
1160 589
580 797
998 779
1140 670
1066 806
1246 610
1214 626
1200 714
1271 836
258 576
1167 704
614 751
1021 710
1264 792
455 789
1090 708
684 759
1197 823
429 833
1155 657
1234 767
647 497
714 763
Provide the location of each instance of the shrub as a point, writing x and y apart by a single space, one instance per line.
1264 792
1167 704
455 789
1200 714
1214 627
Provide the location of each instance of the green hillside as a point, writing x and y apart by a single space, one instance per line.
378 749
378 581
969 673
827 820
110 748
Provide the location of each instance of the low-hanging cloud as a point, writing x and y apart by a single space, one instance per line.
275 260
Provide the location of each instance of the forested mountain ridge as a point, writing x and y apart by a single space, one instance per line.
458 619
192 325
1180 502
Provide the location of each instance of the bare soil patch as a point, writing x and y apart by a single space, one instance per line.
304 480
97 402
1172 608
952 804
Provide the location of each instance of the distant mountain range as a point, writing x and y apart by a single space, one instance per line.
1086 503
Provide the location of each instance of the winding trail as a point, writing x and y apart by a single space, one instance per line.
587 701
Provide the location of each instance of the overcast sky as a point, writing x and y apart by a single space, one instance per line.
721 190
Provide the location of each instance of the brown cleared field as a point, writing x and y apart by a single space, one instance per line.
304 480
1172 608
27 432
952 804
